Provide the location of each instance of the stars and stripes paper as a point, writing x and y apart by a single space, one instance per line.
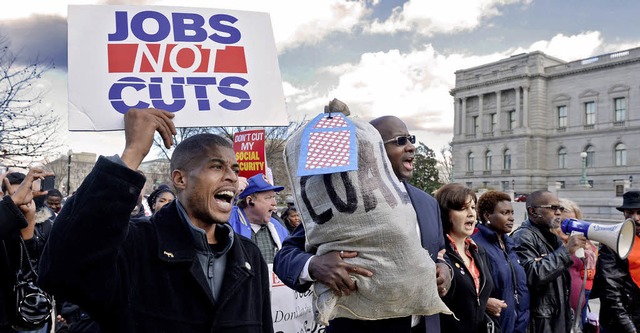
328 146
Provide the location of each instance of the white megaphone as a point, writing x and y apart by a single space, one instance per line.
619 237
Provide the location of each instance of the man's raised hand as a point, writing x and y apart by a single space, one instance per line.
140 126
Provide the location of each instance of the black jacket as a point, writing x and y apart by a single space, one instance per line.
546 262
467 305
146 277
619 295
11 221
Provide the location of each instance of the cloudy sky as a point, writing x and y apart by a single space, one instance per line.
379 56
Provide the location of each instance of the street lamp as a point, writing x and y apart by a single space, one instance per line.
69 153
583 178
630 181
513 185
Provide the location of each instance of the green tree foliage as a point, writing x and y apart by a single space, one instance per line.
425 172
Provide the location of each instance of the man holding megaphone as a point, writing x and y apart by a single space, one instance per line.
546 263
617 279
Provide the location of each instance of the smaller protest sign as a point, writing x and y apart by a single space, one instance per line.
292 311
250 153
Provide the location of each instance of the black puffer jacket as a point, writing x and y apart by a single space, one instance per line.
546 263
619 295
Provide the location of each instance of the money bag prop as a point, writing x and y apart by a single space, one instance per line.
350 200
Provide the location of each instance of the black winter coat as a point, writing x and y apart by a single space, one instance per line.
619 295
462 299
546 262
146 277
11 221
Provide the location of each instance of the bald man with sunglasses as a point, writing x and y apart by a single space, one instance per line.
546 261
299 269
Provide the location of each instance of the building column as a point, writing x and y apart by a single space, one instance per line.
518 115
498 114
480 115
525 106
463 116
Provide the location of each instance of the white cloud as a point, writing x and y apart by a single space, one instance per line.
568 48
431 17
294 22
414 86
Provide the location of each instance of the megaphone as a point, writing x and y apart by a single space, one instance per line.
619 237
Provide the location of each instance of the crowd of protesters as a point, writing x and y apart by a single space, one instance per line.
198 262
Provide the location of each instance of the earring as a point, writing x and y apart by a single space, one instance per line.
488 222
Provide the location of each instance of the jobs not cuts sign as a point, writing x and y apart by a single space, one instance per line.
211 67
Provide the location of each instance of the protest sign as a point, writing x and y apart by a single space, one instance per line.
292 311
211 67
249 149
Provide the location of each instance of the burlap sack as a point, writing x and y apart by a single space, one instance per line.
368 211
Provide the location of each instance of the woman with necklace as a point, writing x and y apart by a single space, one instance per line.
471 284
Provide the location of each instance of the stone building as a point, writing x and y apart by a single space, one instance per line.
78 164
533 121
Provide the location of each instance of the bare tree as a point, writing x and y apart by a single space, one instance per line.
445 165
27 126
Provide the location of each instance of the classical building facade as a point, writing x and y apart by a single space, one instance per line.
77 164
533 122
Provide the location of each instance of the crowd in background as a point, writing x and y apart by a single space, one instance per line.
494 278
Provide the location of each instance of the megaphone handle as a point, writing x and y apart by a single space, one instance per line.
579 252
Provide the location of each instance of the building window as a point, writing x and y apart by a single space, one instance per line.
505 185
562 116
620 105
474 125
487 160
621 154
512 120
494 122
562 158
506 165
590 113
619 190
469 184
470 162
591 156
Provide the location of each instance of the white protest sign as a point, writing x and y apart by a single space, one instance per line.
211 67
292 311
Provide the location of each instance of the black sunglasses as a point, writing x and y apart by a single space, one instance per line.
552 207
402 140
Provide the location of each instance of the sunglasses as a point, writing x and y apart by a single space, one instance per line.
552 207
402 140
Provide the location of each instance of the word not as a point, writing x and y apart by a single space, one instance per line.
151 93
171 58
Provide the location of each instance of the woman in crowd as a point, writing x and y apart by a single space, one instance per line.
471 284
160 197
509 302
580 266
291 218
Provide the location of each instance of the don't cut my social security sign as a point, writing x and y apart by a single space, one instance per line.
211 67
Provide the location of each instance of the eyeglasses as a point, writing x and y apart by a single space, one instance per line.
402 140
552 207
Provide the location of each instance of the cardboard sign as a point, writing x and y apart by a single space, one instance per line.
249 149
292 312
211 67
